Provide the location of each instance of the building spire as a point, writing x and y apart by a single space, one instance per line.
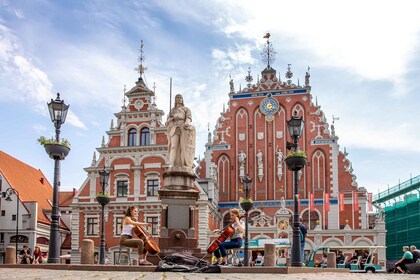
124 98
140 69
268 52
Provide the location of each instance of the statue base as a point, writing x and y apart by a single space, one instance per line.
179 196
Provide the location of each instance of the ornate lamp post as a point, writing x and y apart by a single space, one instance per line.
295 164
9 192
58 113
246 205
103 200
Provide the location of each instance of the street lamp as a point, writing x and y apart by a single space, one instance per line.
58 112
295 125
246 181
104 175
9 192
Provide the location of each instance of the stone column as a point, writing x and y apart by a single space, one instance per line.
87 249
269 254
10 255
331 260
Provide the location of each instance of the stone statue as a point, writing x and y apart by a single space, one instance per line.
280 156
241 158
232 86
381 215
181 135
260 159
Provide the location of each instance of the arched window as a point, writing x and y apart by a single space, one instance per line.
132 135
145 137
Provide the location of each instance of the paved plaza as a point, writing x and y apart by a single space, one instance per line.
36 273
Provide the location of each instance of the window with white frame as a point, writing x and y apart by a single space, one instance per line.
152 187
91 226
154 222
118 225
122 188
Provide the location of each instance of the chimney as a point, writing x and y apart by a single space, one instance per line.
42 180
74 192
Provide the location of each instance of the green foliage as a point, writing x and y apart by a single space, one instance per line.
44 141
102 195
241 200
296 154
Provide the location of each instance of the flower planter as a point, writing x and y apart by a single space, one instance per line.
57 151
246 205
295 163
102 200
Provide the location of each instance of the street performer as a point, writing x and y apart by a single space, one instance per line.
126 239
235 240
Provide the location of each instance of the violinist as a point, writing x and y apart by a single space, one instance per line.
235 240
130 221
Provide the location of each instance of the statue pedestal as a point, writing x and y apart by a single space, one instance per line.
179 196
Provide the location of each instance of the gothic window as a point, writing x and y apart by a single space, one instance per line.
154 222
145 137
310 219
122 188
91 226
318 170
132 135
118 225
152 187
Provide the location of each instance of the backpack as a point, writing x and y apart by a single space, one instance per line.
179 262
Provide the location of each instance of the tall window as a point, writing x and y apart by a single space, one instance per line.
154 222
91 226
13 217
132 135
122 188
118 225
152 187
145 137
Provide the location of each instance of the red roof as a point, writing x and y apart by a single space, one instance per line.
65 198
30 183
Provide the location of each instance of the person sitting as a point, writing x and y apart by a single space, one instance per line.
415 252
25 255
259 258
37 256
366 257
340 258
235 240
353 259
126 239
322 262
406 258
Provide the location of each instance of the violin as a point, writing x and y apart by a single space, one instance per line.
149 244
225 233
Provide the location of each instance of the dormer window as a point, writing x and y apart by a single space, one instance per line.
132 135
145 137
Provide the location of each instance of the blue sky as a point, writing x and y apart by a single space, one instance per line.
363 55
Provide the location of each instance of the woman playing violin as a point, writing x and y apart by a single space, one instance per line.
235 240
130 221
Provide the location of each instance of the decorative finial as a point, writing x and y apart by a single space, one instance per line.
298 83
289 74
268 53
307 76
112 124
141 59
93 159
334 119
258 80
154 87
124 98
103 141
208 134
249 78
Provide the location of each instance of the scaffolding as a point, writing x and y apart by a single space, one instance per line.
402 216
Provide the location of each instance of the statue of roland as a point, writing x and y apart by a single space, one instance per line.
181 135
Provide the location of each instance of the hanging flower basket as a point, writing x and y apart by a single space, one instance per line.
296 163
103 200
57 151
246 205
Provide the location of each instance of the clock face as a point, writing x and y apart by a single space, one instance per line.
269 105
138 104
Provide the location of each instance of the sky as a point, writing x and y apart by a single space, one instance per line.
363 57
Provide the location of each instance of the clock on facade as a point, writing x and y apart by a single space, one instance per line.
269 105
